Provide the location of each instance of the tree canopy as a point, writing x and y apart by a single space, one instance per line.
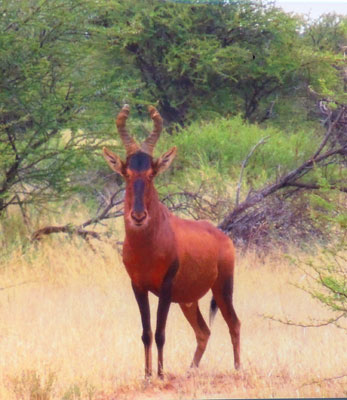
207 59
51 80
67 65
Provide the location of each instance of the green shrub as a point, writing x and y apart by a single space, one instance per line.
217 149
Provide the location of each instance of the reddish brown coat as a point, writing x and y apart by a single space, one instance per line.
176 259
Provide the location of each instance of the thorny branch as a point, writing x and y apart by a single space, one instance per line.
326 283
306 325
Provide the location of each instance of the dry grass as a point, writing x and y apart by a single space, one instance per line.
70 329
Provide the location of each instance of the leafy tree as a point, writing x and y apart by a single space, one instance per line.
51 87
327 33
208 59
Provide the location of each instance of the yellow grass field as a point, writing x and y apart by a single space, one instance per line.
70 329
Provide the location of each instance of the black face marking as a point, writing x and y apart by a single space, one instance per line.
140 161
139 189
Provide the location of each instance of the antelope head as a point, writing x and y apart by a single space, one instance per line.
139 169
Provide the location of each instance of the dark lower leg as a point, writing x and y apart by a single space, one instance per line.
147 336
163 310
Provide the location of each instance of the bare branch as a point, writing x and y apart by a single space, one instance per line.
79 230
244 164
195 204
305 325
47 230
323 380
329 131
104 214
288 180
316 187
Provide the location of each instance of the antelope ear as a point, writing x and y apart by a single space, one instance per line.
165 160
114 161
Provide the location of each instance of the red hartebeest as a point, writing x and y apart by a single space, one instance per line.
176 259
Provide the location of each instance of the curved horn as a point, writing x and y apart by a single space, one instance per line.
129 143
148 145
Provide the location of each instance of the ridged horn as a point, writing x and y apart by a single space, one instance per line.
129 143
148 145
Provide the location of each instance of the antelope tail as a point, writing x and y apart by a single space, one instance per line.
213 310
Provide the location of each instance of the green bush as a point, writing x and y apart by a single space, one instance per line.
217 149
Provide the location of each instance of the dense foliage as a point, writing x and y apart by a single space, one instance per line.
52 108
206 60
66 66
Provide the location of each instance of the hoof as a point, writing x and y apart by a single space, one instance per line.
147 381
192 371
161 375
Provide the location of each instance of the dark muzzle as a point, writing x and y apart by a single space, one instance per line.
138 213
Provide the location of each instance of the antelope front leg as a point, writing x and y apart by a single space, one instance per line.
163 311
147 336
